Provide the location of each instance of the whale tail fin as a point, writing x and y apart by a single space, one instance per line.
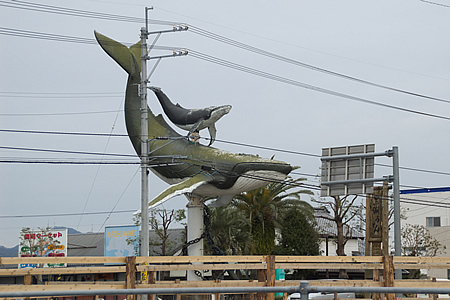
127 58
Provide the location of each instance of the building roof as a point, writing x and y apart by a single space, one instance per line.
425 190
92 244
86 244
325 226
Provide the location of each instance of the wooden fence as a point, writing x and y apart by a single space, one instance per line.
130 269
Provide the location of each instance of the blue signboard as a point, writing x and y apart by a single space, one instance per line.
121 240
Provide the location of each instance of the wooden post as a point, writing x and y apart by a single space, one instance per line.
270 277
130 276
374 228
151 278
388 265
28 280
217 295
376 277
261 278
177 296
385 219
368 273
434 296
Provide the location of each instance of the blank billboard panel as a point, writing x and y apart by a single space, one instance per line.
340 176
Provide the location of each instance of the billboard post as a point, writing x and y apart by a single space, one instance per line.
349 170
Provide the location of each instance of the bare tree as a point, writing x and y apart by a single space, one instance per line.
418 241
343 212
160 221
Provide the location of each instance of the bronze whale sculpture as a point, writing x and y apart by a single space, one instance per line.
189 168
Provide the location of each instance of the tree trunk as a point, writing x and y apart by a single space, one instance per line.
340 250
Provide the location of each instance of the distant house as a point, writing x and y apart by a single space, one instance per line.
328 232
430 208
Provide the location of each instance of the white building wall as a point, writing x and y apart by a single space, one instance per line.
433 203
430 204
350 246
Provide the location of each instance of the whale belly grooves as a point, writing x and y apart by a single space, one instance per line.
245 182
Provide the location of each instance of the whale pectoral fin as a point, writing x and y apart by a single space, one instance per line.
195 126
212 133
222 201
187 186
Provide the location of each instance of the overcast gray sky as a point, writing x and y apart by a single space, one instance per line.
70 85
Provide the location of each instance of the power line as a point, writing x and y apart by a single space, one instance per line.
202 32
267 179
277 78
64 151
247 47
60 95
77 12
218 140
418 170
196 30
313 187
69 214
120 198
53 162
63 38
285 80
422 202
64 133
59 114
98 168
435 3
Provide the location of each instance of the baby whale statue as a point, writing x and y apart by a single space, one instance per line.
192 120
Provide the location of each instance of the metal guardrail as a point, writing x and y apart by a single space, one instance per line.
304 289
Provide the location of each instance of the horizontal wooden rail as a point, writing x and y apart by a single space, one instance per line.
62 287
48 271
398 260
329 259
61 260
420 259
330 266
183 267
201 259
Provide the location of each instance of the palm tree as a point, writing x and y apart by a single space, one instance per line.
264 209
230 230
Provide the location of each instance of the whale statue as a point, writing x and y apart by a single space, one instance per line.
189 168
192 120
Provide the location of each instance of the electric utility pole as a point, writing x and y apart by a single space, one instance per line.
144 248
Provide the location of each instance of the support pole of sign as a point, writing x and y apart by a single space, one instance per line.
397 224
